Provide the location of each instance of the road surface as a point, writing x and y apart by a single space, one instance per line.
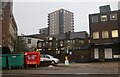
106 69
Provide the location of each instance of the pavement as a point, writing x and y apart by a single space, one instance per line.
62 75
109 69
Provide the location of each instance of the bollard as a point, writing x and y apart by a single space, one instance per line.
66 61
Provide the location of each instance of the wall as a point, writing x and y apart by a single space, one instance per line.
33 43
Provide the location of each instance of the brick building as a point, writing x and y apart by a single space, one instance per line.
105 34
75 45
8 27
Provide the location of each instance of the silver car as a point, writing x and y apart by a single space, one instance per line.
46 57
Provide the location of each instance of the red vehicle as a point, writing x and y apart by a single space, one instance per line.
32 58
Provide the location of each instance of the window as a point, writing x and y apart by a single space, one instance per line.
56 44
68 41
1 11
53 16
67 12
108 53
113 16
53 19
1 16
70 52
105 34
81 41
29 41
39 44
53 25
64 11
53 30
43 44
96 53
57 52
61 43
73 41
104 18
95 35
114 33
95 19
50 38
50 43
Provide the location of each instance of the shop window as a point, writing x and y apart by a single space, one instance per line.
96 53
108 53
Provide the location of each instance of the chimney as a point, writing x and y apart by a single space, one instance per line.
104 9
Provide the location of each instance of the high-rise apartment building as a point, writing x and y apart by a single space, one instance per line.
60 22
43 30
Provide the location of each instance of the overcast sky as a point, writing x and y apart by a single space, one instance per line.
31 16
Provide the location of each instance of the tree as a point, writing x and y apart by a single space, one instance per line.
67 35
21 45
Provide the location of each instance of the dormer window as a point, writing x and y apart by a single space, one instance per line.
104 18
95 19
113 16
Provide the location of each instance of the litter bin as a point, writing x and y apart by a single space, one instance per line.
32 58
3 62
15 60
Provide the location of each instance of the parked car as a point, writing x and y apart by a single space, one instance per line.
46 57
